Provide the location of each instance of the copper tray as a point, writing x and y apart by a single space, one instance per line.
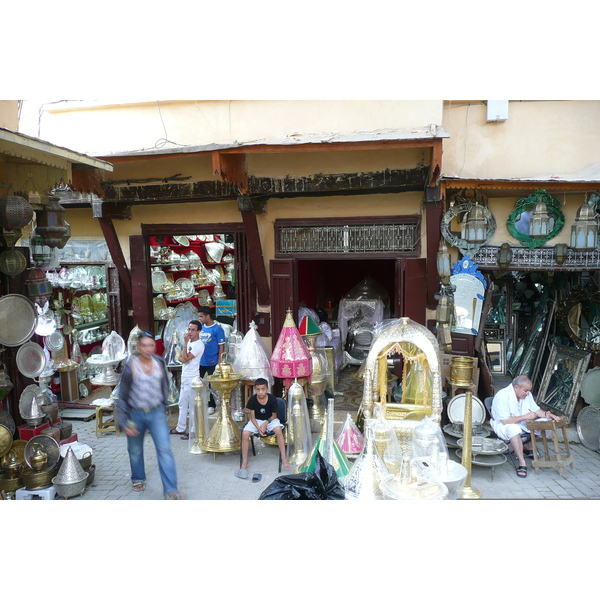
6 440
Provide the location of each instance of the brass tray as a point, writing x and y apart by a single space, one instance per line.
6 440
19 319
18 451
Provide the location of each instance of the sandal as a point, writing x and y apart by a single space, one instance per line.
522 471
528 454
175 432
139 486
185 436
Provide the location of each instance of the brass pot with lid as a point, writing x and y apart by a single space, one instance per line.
38 459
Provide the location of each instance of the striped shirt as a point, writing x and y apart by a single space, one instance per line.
145 391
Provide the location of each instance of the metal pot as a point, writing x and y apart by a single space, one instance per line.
91 474
52 431
68 490
37 480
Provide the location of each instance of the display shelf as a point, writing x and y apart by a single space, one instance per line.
91 324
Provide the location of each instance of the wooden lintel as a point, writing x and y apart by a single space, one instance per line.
111 210
375 182
231 168
116 253
255 255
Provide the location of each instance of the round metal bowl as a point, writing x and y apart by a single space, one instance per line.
19 316
37 480
68 490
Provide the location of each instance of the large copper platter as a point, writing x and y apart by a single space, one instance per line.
6 440
19 319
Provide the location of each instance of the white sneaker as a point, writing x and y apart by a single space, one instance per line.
211 410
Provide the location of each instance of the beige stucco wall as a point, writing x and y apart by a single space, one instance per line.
99 129
9 114
539 139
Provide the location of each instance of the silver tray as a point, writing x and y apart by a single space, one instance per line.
590 387
480 445
484 460
31 360
27 396
48 445
55 341
19 320
456 410
588 427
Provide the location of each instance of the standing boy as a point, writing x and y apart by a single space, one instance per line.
213 336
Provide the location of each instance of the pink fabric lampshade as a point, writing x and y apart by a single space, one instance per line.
290 358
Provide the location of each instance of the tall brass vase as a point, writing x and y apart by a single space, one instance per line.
469 492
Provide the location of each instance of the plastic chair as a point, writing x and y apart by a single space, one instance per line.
282 416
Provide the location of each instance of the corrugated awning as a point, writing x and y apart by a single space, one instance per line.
296 141
37 151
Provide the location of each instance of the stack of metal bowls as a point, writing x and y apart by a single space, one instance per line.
71 478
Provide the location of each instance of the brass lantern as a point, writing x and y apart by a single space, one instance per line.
584 232
15 212
65 238
475 227
539 225
445 310
443 264
560 253
504 255
12 262
51 223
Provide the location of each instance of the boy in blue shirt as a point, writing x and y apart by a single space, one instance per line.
213 336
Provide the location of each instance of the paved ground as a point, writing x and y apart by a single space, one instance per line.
211 476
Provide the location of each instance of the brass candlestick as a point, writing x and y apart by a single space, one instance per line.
469 492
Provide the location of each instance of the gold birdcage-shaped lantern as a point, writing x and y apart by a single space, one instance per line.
539 225
584 232
475 228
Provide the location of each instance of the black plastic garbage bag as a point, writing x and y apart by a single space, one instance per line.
323 484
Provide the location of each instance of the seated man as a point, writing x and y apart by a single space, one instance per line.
262 407
511 408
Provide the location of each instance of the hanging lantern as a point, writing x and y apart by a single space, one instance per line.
475 227
5 384
504 255
443 313
12 262
51 223
40 254
443 264
560 253
539 225
15 212
584 232
65 238
38 287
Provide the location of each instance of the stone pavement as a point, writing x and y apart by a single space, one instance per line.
211 476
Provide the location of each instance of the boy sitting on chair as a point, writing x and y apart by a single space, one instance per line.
262 407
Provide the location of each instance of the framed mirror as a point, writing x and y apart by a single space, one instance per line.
561 382
580 316
468 296
496 350
523 225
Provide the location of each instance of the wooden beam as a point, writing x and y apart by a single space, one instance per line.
116 254
375 182
231 168
255 255
435 165
433 212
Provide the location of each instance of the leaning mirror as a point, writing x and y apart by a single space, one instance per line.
580 316
561 382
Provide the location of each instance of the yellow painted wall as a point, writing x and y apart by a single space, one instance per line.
98 129
545 138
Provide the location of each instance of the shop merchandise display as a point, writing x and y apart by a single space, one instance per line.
252 358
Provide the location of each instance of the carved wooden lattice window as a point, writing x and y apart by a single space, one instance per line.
348 238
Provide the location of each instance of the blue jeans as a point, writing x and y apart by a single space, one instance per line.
155 422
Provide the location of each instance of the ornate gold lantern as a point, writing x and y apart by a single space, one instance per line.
504 256
539 225
12 262
15 212
475 228
584 232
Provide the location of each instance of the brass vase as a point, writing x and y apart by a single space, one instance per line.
197 444
469 492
